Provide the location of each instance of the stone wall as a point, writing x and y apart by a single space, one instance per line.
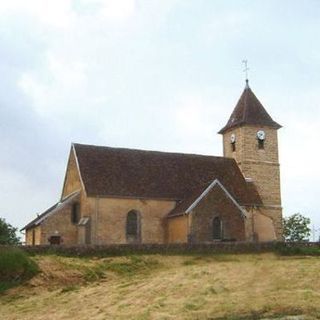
59 224
247 144
72 180
264 229
186 248
178 229
261 165
33 233
276 215
109 215
217 204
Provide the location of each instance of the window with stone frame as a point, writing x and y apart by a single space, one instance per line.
233 146
260 144
55 240
217 232
75 212
132 225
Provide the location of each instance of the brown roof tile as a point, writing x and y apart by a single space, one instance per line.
249 111
133 173
55 208
183 205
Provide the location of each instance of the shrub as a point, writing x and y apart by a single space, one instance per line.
298 251
15 267
8 233
296 228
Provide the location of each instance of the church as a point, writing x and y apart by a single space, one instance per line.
117 195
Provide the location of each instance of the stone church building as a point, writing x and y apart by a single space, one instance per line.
116 195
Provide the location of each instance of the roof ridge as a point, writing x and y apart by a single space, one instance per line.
151 151
245 104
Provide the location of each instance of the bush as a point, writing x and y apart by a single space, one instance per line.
8 233
296 228
298 251
15 267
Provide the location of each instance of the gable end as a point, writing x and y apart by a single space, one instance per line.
72 175
215 183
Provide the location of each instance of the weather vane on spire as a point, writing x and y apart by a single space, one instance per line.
246 69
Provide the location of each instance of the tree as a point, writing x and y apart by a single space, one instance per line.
8 233
296 228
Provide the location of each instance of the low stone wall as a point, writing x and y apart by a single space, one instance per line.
203 248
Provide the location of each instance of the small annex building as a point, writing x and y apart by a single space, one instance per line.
117 195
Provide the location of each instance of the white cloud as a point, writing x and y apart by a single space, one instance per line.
198 116
118 10
66 72
64 14
224 24
59 78
54 13
189 112
110 71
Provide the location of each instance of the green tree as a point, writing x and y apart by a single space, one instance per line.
296 228
8 233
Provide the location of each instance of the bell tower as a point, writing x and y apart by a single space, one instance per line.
250 137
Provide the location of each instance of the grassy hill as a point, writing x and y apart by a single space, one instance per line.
251 286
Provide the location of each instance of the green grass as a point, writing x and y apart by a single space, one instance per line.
133 265
130 266
15 267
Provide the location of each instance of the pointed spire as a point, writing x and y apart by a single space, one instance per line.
249 111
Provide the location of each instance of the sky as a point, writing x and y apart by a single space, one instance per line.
156 75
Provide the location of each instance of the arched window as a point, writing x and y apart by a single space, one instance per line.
216 229
75 213
133 226
260 144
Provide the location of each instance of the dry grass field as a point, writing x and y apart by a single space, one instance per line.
254 286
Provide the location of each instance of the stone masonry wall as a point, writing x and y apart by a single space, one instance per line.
261 165
178 229
247 144
217 204
276 215
72 178
109 215
59 224
37 236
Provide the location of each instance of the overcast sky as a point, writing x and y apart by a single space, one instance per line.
151 74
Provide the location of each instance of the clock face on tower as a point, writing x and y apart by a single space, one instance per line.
261 135
233 138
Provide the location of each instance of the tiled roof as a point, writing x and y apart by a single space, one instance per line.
118 172
183 205
56 207
249 111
